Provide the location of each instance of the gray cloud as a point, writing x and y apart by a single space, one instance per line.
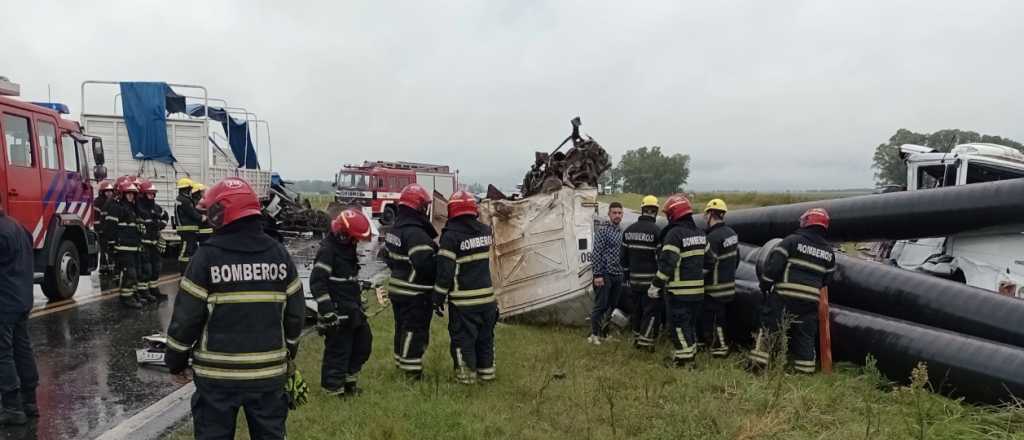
768 95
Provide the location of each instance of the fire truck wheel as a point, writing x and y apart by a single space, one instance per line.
388 216
61 279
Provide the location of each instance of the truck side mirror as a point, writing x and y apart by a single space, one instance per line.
99 172
97 151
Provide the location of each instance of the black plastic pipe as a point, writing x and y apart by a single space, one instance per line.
893 216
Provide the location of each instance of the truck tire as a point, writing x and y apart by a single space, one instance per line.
61 279
389 215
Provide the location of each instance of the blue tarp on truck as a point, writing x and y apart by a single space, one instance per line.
146 105
238 134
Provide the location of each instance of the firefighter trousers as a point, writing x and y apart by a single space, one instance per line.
472 347
18 374
651 322
637 298
188 248
128 267
412 330
683 313
215 412
149 266
346 349
713 321
802 331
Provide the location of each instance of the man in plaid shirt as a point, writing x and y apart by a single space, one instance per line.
607 272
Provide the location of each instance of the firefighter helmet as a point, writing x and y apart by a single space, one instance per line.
127 186
106 185
146 186
677 206
184 182
815 217
229 200
198 187
462 203
649 201
716 205
414 196
352 223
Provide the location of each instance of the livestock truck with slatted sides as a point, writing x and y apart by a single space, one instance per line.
45 186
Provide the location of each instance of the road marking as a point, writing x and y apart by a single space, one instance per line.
152 421
61 306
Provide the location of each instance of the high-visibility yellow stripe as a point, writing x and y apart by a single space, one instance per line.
397 256
722 286
642 247
440 290
693 253
474 257
808 265
295 286
187 228
323 266
173 344
205 230
798 287
686 283
474 292
447 254
726 255
240 374
690 291
241 358
407 284
473 302
247 297
323 298
400 291
420 248
670 248
797 295
191 288
662 276
126 248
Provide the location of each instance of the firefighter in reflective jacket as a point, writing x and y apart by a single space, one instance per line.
154 219
464 281
720 262
792 278
188 222
335 285
411 257
205 230
238 314
127 230
680 276
99 205
640 262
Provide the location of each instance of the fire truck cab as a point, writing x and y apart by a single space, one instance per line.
377 185
45 187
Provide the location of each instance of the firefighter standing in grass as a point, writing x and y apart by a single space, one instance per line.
411 257
680 277
335 285
154 218
238 315
188 219
793 276
464 282
127 230
720 262
640 262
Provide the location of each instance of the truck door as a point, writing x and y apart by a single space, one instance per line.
62 193
21 156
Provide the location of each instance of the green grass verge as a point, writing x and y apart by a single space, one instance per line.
551 385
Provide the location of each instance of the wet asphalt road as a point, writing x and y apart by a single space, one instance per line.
85 351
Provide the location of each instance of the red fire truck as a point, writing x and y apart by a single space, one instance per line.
377 184
46 188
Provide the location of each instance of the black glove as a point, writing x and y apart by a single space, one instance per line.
438 300
766 287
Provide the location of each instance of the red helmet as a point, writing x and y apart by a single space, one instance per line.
106 185
352 223
462 203
127 186
815 217
677 206
229 200
146 186
414 196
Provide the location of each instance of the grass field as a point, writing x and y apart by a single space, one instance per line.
551 385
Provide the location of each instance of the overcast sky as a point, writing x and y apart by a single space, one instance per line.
762 95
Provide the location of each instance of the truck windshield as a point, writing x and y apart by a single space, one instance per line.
352 180
978 172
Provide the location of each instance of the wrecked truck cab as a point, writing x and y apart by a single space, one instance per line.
541 259
989 258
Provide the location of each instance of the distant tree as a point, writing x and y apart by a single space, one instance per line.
476 188
611 181
891 170
649 171
311 186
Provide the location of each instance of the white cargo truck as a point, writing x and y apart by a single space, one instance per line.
991 258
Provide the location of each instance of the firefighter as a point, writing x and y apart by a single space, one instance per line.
464 282
680 277
640 262
335 285
411 258
127 231
188 219
106 194
205 230
238 315
792 279
720 262
154 218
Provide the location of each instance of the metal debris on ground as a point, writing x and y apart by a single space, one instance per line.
579 167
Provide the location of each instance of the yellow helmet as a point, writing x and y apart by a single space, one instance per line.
196 187
184 182
649 201
716 204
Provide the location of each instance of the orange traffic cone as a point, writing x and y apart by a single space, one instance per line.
824 333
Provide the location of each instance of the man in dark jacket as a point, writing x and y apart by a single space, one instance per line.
188 219
239 314
411 256
464 282
334 282
640 263
128 242
18 375
720 262
154 219
792 279
680 277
